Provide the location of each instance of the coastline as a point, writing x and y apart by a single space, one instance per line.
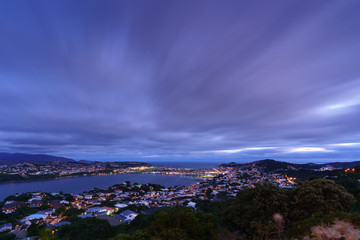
90 175
78 184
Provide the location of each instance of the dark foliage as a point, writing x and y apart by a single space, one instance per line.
320 195
87 229
312 202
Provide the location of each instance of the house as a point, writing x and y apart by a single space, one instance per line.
59 224
122 219
77 197
129 214
120 205
88 196
5 227
126 216
93 202
12 206
34 216
191 204
118 191
47 212
41 214
36 203
86 215
55 204
34 198
96 211
144 202
124 195
109 210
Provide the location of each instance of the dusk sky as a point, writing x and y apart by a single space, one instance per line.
181 80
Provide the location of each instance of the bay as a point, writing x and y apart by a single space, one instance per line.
185 164
77 185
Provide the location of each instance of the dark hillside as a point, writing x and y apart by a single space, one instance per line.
15 158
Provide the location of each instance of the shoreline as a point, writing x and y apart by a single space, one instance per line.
75 185
92 175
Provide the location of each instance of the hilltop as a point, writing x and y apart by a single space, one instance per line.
273 165
16 158
303 171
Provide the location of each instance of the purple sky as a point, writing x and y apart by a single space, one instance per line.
181 80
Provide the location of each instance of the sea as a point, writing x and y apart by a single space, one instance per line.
196 165
75 185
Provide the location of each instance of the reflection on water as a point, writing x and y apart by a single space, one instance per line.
79 184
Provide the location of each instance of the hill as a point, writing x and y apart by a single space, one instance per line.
15 158
271 165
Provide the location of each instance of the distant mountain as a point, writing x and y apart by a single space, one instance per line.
344 164
271 165
117 164
15 158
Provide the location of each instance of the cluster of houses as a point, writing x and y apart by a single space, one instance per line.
60 168
237 178
12 206
57 167
53 220
114 204
125 216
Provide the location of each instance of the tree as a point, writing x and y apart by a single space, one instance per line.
73 212
7 236
352 185
180 223
34 228
319 195
22 197
208 193
212 207
87 229
69 198
253 208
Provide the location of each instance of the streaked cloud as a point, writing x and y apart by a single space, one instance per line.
220 80
345 144
308 149
230 151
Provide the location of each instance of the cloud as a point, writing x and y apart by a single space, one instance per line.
126 80
230 151
345 144
308 149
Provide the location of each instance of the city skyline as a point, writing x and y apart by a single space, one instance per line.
181 81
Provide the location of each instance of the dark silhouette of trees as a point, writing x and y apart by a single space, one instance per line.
319 195
253 208
252 211
177 223
87 229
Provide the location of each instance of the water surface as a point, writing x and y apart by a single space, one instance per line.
76 185
196 165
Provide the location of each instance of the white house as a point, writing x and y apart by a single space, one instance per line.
42 214
129 215
191 204
5 227
120 205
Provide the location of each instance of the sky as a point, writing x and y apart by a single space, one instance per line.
181 80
